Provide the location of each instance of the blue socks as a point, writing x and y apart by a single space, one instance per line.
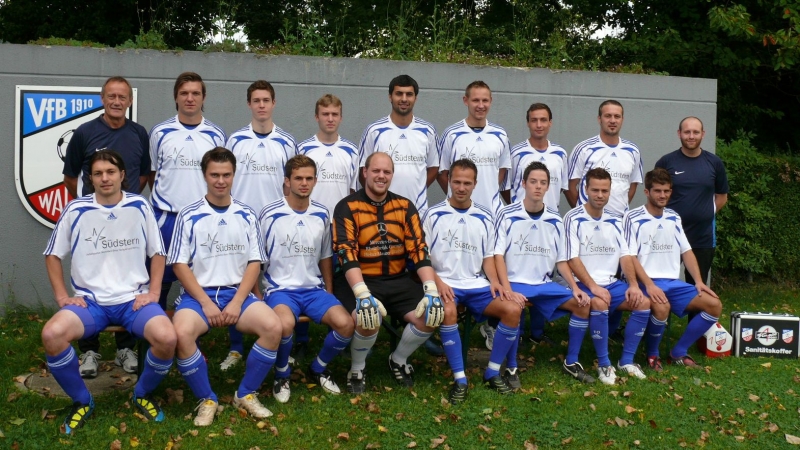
634 330
155 369
282 360
195 371
451 342
598 324
511 356
696 328
259 362
504 338
237 339
654 332
333 345
65 369
577 329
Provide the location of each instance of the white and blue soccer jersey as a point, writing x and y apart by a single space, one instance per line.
337 169
175 154
109 246
554 157
488 149
295 244
413 151
217 243
531 247
260 163
458 242
658 242
623 161
599 243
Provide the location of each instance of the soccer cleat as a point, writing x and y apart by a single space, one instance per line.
231 360
633 370
458 393
487 331
403 373
511 377
281 390
325 381
607 375
543 339
89 364
251 404
78 415
685 361
496 383
355 382
127 359
149 408
654 363
575 370
206 410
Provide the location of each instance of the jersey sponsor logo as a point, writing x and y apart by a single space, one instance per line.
295 248
656 247
222 222
181 161
45 119
111 217
470 154
382 228
400 158
457 244
597 249
525 248
215 248
615 174
104 244
328 175
252 166
678 173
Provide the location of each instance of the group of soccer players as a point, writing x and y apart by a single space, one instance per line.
335 231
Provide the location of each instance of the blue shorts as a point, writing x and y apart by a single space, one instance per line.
221 296
475 300
679 294
617 290
314 302
96 318
166 224
547 298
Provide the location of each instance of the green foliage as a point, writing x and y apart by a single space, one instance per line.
757 231
66 42
146 40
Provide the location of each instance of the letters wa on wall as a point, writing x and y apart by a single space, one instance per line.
45 118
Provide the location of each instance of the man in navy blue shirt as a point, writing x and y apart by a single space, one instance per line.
111 130
699 190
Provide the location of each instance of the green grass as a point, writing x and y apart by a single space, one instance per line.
711 409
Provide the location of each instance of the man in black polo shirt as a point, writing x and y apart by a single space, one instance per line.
699 191
111 130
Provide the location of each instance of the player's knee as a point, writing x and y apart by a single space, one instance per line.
509 313
450 313
53 331
660 310
644 305
164 337
343 324
714 307
598 304
287 324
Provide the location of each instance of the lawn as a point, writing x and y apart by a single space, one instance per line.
734 403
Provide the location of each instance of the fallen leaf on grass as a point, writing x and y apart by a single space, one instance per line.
435 442
116 445
2 435
16 421
566 441
739 438
21 379
653 424
194 432
613 393
704 436
794 440
373 408
622 423
530 446
112 430
754 397
678 398
409 435
630 409
355 400
608 443
485 429
382 429
274 430
343 436
592 407
772 427
372 445
589 394
134 441
767 365
637 442
228 432
412 444
13 397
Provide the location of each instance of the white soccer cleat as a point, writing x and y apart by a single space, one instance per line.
281 390
488 332
231 360
633 370
127 359
206 411
251 404
607 375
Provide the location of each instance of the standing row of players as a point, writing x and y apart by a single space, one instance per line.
172 143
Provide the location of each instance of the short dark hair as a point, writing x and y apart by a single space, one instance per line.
403 81
536 165
598 173
477 84
298 162
657 176
117 79
680 125
260 85
187 77
609 102
463 163
372 155
218 155
112 157
536 107
328 100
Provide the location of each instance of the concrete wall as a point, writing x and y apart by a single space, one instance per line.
653 107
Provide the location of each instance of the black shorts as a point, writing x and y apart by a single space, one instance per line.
399 295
